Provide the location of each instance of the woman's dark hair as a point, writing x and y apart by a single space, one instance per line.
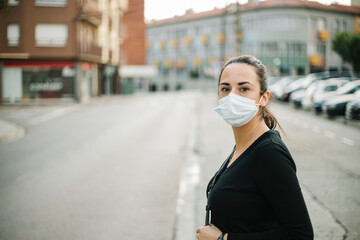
260 70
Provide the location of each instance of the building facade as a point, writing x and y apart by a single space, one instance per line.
59 49
134 72
290 37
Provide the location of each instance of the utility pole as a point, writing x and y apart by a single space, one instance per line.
239 34
223 28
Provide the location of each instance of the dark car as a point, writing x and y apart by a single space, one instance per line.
352 111
337 105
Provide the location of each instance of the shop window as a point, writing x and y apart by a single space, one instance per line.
13 2
51 35
51 3
13 35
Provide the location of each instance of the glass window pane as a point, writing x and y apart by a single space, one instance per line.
54 35
13 34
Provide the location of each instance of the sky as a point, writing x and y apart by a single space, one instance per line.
160 9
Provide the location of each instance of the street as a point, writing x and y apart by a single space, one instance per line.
136 167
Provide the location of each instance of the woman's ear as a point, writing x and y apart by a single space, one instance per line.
265 99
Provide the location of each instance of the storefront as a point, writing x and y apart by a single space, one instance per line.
33 81
30 81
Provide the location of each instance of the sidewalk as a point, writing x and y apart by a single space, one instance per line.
10 132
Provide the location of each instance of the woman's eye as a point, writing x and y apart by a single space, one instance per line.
244 89
225 89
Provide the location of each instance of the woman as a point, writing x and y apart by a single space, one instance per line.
255 194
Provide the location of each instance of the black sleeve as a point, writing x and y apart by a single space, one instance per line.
277 181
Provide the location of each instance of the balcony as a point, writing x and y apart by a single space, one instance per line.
316 60
323 35
91 52
90 13
122 30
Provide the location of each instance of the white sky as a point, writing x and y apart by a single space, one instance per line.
160 9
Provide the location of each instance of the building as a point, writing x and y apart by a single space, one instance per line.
133 70
289 36
59 49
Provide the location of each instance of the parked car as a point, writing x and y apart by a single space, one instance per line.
291 88
352 111
306 82
319 90
273 80
296 98
276 89
337 105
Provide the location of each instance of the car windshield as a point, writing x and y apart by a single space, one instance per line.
347 87
330 88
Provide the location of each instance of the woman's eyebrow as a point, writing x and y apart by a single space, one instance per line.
240 83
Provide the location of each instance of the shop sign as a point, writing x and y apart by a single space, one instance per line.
55 85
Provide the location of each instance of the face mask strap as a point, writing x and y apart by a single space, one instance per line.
258 104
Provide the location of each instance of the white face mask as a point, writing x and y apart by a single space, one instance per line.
237 110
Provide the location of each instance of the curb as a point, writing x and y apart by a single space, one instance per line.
10 132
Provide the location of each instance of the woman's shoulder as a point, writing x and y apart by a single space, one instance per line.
270 140
271 150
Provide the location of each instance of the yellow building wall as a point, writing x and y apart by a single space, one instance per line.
357 24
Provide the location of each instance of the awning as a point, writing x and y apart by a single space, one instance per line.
132 71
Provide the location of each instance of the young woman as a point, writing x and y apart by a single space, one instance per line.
255 194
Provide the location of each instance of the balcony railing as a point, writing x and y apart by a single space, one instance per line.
91 52
90 13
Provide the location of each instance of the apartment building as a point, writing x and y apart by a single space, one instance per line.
289 36
63 50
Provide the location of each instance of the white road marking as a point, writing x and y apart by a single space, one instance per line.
315 129
347 141
48 116
330 134
305 125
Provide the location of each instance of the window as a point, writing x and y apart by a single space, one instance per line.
13 35
344 26
51 35
337 26
52 3
322 24
13 2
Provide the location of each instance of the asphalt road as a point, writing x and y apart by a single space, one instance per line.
105 170
135 167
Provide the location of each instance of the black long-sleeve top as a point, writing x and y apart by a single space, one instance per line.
258 196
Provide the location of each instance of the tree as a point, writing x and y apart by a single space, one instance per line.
347 45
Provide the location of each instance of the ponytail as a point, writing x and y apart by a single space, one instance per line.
270 119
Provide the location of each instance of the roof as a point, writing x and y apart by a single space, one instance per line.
260 5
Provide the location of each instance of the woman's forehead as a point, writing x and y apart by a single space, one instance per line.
239 72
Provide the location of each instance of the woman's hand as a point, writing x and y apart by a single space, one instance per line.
210 232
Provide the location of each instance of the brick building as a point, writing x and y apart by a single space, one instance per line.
59 49
133 71
133 47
